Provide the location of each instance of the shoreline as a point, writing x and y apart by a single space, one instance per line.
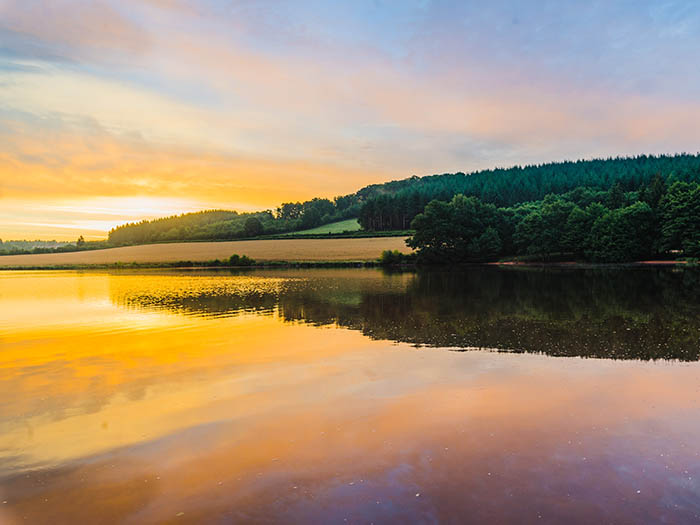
206 253
209 265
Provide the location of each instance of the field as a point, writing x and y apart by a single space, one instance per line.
349 225
297 250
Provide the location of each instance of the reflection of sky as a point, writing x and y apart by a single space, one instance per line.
250 104
141 415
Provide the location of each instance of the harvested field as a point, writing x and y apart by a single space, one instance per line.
297 250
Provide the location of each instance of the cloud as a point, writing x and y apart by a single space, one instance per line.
69 29
46 158
255 103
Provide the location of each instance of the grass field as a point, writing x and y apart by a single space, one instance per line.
292 250
349 225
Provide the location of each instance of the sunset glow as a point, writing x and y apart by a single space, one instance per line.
244 105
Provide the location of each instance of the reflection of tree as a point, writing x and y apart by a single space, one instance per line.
648 313
644 314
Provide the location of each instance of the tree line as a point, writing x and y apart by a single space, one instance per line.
584 224
18 247
393 205
229 225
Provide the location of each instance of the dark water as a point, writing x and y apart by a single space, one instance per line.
335 396
607 313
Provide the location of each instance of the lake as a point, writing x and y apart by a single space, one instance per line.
350 396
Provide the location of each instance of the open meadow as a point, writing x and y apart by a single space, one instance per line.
297 250
349 225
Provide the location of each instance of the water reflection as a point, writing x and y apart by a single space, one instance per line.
650 313
283 396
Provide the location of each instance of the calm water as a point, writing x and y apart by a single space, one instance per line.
333 396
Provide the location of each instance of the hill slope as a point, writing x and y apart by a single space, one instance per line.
348 225
392 205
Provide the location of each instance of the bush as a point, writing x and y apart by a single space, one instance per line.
240 260
391 258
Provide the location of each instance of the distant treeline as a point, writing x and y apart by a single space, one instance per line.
393 205
228 225
578 193
25 247
584 224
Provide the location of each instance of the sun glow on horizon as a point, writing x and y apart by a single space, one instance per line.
247 105
91 217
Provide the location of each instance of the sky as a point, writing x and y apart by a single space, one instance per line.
118 110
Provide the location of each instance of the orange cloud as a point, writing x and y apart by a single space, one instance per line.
61 163
59 181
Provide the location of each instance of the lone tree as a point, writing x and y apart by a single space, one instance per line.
253 227
80 242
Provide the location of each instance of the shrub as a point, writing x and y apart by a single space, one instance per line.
240 260
391 258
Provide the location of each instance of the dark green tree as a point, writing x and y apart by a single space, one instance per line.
680 218
487 246
253 227
623 234
310 219
540 233
459 231
616 197
577 230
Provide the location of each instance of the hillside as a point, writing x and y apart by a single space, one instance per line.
393 205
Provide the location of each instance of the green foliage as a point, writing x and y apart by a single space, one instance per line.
466 229
240 260
393 258
310 219
623 234
18 247
459 231
616 197
487 246
541 231
680 212
226 225
253 227
615 182
653 193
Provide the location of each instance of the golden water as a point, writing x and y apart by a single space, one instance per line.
324 395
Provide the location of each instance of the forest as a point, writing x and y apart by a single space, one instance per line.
394 205
582 224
